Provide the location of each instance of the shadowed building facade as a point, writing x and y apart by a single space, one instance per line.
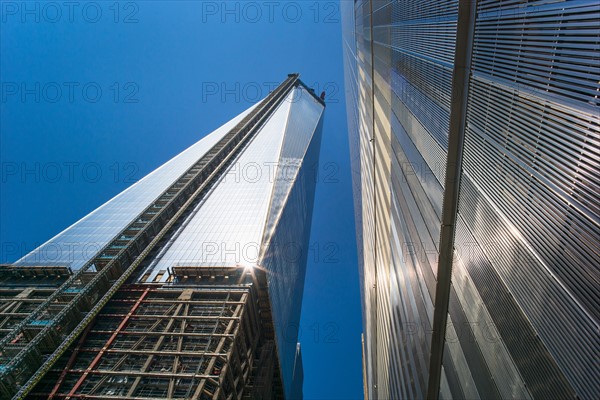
188 284
474 132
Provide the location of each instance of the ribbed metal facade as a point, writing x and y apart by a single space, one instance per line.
523 310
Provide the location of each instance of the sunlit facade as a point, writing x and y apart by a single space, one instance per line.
233 256
519 122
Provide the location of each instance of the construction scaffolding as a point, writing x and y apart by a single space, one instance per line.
206 335
23 289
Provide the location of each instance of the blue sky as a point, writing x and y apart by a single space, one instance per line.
96 95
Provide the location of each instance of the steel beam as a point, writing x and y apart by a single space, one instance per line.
458 121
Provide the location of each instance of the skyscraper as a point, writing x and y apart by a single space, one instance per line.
475 139
186 285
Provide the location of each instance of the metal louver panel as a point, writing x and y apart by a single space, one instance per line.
533 122
527 236
552 49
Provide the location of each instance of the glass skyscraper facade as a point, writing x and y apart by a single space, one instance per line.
475 143
215 237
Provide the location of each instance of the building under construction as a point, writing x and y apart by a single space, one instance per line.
183 285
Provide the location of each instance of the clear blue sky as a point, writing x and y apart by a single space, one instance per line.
96 96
